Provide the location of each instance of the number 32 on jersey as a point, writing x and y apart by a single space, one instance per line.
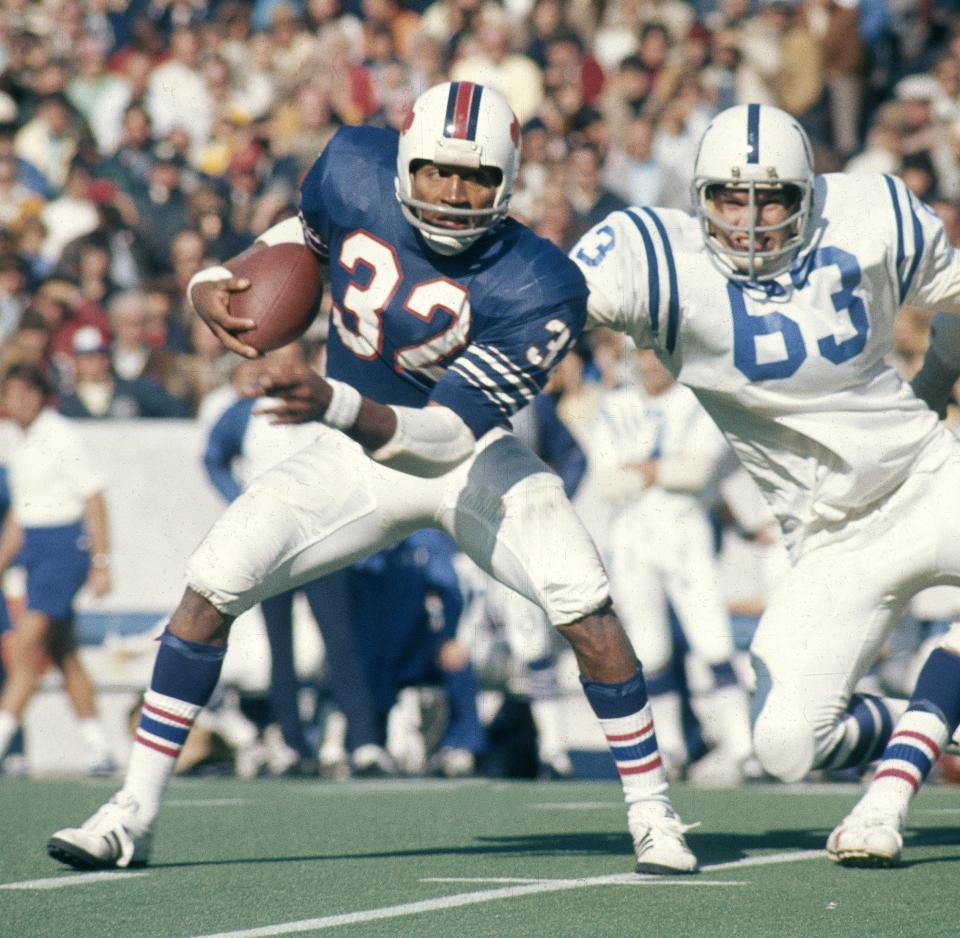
424 300
368 303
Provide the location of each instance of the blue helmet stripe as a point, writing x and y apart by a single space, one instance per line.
474 113
451 107
753 133
463 110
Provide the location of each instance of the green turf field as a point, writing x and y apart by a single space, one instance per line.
469 860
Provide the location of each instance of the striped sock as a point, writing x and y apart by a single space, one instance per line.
912 752
184 676
626 719
919 736
864 731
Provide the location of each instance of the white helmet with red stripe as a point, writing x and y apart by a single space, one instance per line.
459 124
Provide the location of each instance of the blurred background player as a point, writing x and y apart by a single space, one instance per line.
659 456
13 762
407 602
58 532
241 446
533 656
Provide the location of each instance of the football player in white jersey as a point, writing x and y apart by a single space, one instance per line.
775 304
657 457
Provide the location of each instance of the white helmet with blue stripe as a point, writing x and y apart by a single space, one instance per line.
459 124
753 147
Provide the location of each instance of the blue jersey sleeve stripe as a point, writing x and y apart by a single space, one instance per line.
673 299
917 249
653 279
899 219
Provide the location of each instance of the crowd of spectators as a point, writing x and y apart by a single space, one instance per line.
143 139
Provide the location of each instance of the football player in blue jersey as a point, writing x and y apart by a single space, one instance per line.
776 306
447 318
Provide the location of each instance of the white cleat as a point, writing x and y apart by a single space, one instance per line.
866 840
658 840
115 836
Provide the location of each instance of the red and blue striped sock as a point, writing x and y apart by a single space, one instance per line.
919 736
626 719
184 676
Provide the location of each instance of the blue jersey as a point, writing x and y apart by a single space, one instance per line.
478 332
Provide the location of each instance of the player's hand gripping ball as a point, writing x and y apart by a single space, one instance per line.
286 286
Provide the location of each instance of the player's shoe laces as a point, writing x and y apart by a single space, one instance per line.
658 840
116 836
867 840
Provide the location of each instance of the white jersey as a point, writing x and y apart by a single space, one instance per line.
52 474
671 428
793 370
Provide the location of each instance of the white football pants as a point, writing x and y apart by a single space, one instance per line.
827 618
330 504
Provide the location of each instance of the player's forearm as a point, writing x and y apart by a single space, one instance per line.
288 231
426 442
934 382
420 441
95 521
11 541
683 473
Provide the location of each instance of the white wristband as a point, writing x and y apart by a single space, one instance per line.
207 275
344 406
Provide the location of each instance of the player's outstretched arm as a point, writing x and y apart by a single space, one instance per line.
426 442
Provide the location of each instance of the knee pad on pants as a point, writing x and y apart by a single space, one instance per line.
783 739
783 743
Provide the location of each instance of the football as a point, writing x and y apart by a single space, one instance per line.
284 295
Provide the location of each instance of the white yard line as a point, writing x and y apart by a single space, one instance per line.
522 888
78 879
578 805
204 803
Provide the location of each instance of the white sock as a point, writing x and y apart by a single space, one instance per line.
8 729
668 715
732 714
548 719
164 725
94 739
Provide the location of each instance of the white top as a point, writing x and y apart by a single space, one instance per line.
795 373
671 428
51 474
